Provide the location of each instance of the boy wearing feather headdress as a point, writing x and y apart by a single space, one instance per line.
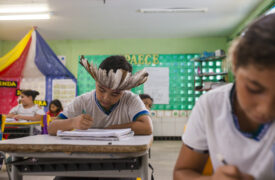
111 104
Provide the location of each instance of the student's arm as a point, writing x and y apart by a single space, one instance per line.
10 115
12 112
36 117
190 165
83 121
142 125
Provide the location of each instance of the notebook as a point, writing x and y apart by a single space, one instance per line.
97 134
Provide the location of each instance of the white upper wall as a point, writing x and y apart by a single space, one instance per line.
116 19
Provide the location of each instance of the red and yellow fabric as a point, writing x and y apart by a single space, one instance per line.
15 53
30 61
11 67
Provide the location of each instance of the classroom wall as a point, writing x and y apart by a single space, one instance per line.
163 126
73 48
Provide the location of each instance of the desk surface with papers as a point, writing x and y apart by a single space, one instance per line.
44 155
47 143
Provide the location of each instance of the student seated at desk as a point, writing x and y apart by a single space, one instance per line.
234 124
147 100
55 108
111 104
27 110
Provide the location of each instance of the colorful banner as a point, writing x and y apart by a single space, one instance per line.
31 64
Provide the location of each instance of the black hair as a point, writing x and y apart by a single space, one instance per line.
145 96
58 104
256 44
115 63
31 93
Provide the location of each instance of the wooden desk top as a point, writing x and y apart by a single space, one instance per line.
47 143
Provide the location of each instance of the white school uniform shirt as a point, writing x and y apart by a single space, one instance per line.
126 110
211 127
32 111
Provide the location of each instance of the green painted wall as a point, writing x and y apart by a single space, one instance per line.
73 48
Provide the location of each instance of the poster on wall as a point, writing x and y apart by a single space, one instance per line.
157 85
64 90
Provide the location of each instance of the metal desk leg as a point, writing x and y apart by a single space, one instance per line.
15 175
31 130
144 170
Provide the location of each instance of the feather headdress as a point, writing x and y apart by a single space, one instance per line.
121 80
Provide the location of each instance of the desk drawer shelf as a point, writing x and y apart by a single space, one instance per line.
63 165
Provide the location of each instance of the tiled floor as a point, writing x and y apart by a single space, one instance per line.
163 159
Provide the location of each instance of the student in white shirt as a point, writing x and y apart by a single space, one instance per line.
27 110
111 104
236 121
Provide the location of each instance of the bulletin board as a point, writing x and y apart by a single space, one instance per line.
181 77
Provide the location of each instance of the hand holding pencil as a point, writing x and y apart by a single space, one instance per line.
229 172
83 121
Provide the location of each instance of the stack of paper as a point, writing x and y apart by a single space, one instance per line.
97 134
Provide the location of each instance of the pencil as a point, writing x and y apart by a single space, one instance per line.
221 159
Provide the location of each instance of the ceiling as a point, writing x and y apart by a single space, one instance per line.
115 19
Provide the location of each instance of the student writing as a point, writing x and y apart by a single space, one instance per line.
111 104
237 120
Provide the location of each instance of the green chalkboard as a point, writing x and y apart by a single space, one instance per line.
181 76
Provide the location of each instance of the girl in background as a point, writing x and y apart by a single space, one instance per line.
147 100
55 108
27 110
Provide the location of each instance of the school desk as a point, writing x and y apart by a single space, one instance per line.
44 155
45 119
31 125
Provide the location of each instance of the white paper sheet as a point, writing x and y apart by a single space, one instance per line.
157 85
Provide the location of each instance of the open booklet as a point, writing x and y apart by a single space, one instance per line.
97 134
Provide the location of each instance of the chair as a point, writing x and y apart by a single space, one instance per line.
208 168
2 124
46 119
14 130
